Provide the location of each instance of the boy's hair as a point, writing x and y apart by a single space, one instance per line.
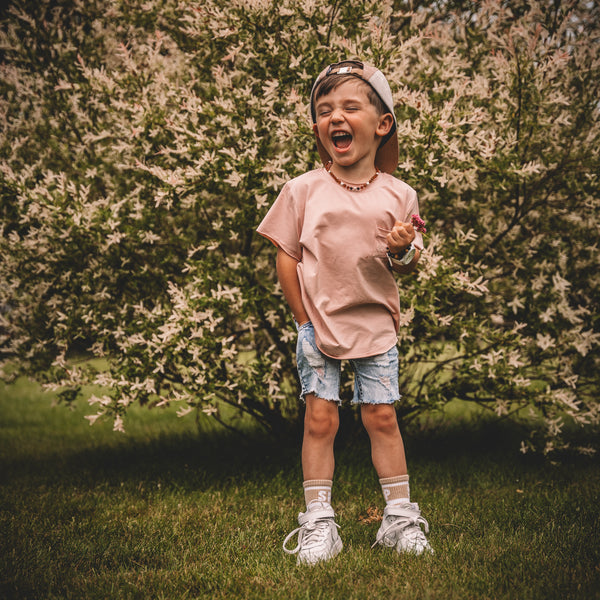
379 94
328 84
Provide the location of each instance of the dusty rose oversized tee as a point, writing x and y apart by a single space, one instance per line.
338 237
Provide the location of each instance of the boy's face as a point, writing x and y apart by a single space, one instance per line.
350 127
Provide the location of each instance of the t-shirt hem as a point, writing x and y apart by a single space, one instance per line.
352 356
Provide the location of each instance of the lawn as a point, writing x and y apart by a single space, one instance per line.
166 512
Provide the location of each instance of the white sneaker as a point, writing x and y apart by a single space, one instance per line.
318 538
401 528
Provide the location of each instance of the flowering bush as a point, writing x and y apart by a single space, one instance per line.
142 142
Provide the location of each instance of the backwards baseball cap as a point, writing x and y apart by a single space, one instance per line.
386 158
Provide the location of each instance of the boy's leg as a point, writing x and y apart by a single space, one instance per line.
321 423
402 520
387 446
320 383
318 538
319 375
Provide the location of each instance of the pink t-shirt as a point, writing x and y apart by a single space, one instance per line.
339 238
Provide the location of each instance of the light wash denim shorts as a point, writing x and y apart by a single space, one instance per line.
375 377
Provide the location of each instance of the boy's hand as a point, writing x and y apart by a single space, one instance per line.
400 237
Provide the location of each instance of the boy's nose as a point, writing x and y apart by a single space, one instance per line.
336 115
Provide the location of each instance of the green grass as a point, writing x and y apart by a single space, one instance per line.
162 512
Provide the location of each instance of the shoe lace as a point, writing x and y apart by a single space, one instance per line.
311 534
410 526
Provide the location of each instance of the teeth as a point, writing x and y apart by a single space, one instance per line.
342 138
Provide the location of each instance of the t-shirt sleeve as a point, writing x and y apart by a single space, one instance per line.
283 223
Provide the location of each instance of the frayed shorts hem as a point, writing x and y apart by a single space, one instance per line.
315 393
338 400
375 402
353 402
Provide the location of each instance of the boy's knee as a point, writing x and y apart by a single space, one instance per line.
322 420
379 418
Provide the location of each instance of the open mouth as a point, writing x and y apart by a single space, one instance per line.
341 140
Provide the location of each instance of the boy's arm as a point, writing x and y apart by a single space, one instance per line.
410 267
288 279
398 240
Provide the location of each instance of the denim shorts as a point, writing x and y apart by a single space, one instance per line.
375 377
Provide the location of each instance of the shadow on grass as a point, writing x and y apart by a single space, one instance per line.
185 460
215 459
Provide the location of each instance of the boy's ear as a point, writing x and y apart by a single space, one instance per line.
316 129
386 122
